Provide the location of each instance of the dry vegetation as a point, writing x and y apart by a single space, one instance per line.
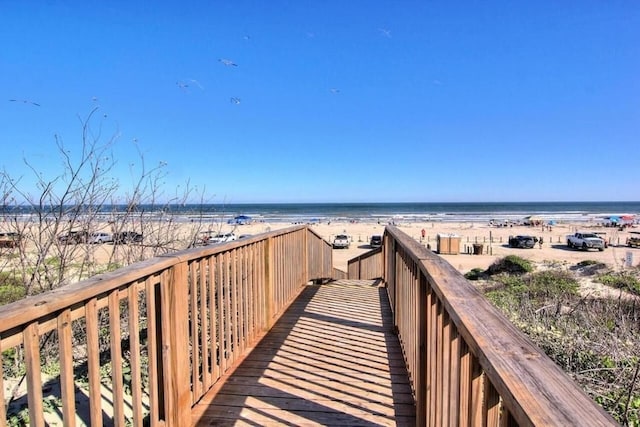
586 317
84 198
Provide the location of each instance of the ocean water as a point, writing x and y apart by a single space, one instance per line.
413 212
380 212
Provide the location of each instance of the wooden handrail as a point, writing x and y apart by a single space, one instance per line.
368 265
145 342
468 364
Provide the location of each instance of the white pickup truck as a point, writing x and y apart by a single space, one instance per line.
585 241
341 241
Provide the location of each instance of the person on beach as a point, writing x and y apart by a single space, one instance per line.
540 242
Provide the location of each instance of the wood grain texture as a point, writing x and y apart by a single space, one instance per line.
512 380
331 359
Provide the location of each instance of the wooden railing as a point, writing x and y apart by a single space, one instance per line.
144 343
339 274
467 363
368 265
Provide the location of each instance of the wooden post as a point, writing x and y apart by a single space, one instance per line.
268 282
305 255
175 325
33 375
421 372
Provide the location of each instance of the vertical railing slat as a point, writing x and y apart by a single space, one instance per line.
446 366
115 338
196 385
465 381
135 349
93 362
67 385
477 386
222 362
249 307
3 408
454 380
31 340
421 376
228 322
269 278
433 358
244 299
491 404
215 373
204 325
176 335
152 345
235 338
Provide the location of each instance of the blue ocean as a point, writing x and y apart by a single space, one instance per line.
414 212
384 213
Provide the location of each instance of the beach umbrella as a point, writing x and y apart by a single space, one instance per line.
242 219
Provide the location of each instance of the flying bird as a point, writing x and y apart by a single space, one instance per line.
228 62
385 32
184 85
334 90
25 101
235 100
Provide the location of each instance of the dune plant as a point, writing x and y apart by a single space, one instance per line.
626 280
594 340
511 264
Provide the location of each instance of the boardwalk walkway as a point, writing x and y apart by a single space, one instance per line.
332 359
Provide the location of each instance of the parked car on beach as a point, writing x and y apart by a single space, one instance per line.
634 239
10 240
222 238
341 241
376 241
127 237
525 242
603 236
74 237
100 237
585 241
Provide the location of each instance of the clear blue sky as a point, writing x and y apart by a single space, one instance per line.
338 100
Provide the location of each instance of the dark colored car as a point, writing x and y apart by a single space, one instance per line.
633 240
127 237
526 242
376 241
74 237
10 240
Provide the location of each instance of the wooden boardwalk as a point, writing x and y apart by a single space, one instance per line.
331 359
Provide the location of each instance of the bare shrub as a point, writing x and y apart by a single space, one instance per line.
81 198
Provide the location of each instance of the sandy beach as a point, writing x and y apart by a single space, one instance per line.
494 239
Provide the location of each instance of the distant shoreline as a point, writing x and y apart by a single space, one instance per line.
382 213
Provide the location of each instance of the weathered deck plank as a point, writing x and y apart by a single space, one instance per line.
332 359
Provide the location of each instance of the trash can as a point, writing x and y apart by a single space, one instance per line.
477 248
